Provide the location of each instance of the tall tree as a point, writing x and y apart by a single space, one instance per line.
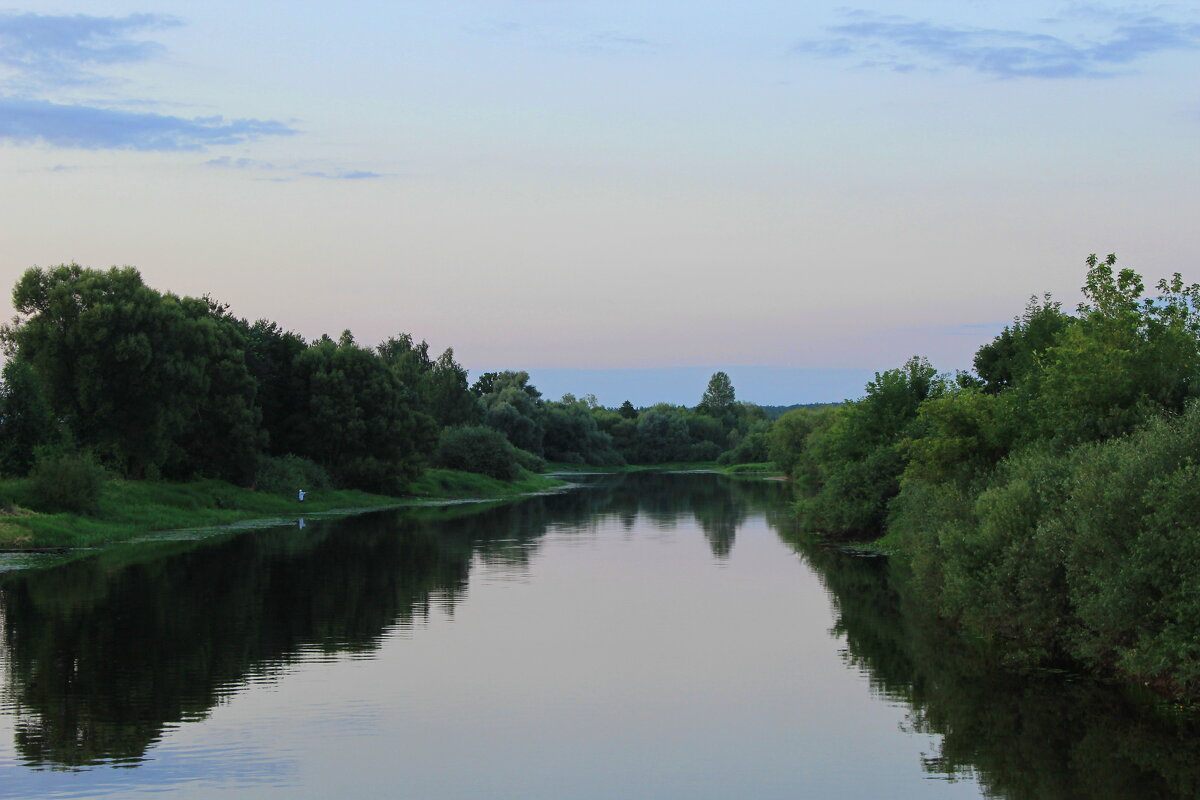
133 373
26 419
361 422
513 406
719 400
271 354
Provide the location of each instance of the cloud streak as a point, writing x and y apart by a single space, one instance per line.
41 55
903 44
294 170
225 162
58 51
88 128
345 175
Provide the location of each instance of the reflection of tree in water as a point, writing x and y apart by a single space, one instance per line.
1025 737
719 505
105 651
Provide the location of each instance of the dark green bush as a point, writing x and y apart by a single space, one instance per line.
752 449
480 449
287 474
702 451
66 482
530 461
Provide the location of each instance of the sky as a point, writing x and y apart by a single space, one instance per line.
618 197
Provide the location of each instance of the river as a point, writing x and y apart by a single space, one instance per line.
651 635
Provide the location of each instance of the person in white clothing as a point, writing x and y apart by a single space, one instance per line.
301 495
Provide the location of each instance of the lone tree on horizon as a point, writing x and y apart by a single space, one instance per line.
718 399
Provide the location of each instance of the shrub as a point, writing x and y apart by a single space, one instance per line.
752 449
286 474
530 461
480 449
66 482
702 451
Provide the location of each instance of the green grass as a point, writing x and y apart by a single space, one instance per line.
763 468
558 467
756 468
449 483
129 509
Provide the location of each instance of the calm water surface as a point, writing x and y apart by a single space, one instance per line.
650 635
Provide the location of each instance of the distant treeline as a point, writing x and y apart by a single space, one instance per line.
775 412
1049 501
104 371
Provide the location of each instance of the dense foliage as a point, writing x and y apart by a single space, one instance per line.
1048 503
159 385
478 448
66 481
152 385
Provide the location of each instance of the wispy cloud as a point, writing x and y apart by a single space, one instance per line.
56 51
225 162
42 56
347 175
45 59
89 128
289 172
904 44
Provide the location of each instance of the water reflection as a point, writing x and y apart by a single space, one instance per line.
1024 737
104 652
107 653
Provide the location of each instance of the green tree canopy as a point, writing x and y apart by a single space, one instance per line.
513 406
137 375
361 423
718 400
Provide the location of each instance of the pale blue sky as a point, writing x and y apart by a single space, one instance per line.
551 185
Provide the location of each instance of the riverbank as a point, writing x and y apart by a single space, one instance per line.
754 469
129 509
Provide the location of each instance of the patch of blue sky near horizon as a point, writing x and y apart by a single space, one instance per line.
949 348
685 385
620 184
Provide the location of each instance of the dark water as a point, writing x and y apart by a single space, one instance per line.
658 636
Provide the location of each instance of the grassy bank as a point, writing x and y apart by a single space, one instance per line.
756 469
131 508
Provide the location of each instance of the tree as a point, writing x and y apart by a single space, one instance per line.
223 436
361 423
484 383
1013 356
662 435
718 400
513 406
26 419
447 397
573 435
136 375
1126 359
271 354
863 454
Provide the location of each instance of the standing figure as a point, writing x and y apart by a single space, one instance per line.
301 495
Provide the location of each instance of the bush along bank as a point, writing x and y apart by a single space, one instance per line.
1049 502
